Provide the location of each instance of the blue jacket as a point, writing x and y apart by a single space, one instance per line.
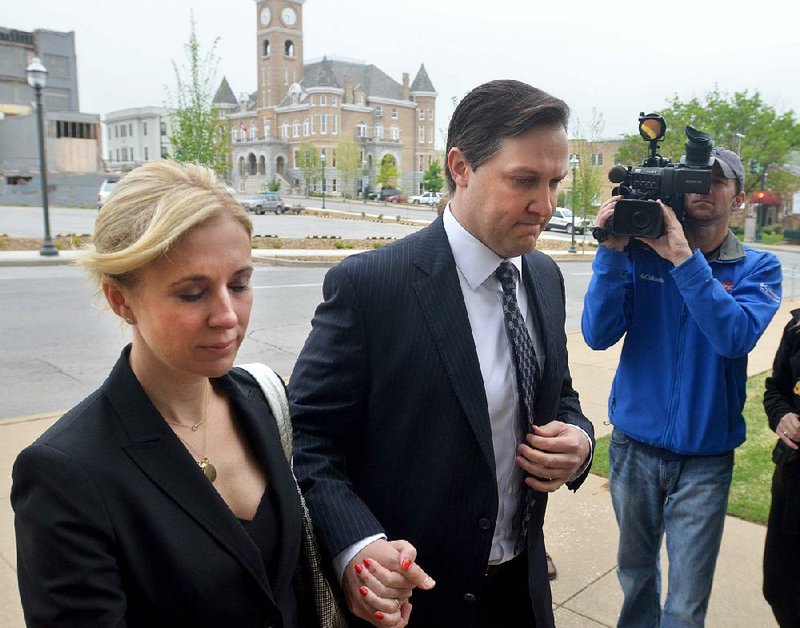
680 383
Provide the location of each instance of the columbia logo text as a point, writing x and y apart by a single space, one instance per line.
647 277
765 289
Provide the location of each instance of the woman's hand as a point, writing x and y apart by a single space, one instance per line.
379 581
788 429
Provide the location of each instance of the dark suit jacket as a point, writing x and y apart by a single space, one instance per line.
392 431
116 524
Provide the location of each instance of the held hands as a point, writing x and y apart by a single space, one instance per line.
788 430
552 455
378 582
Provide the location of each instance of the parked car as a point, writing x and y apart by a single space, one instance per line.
395 198
426 198
105 189
263 202
384 194
562 221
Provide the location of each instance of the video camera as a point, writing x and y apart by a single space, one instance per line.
638 214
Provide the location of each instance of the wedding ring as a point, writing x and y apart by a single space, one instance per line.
398 603
785 433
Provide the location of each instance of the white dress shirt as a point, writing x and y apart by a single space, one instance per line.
483 298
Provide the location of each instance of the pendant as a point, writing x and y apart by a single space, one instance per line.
208 469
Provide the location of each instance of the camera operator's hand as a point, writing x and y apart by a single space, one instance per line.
617 243
672 245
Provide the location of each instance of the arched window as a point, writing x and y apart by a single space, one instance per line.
266 47
262 165
252 166
288 48
361 129
241 166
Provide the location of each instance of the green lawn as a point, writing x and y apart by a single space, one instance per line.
752 473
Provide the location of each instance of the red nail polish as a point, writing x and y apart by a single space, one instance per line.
367 562
406 564
358 568
378 615
363 591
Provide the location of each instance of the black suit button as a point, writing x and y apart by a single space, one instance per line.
485 524
469 597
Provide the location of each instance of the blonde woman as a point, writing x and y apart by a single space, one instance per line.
164 498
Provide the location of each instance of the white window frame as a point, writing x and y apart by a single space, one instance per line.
421 134
323 124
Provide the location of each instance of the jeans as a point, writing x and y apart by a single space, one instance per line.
655 492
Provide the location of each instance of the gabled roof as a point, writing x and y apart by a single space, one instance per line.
374 81
422 83
224 95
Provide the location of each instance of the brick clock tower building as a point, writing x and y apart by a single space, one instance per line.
323 102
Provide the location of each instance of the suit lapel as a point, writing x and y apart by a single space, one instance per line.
159 454
541 294
442 302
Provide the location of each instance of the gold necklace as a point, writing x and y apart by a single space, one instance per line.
208 469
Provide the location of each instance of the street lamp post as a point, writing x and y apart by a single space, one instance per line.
37 78
322 159
364 179
573 162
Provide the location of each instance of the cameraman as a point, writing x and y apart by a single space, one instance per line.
691 304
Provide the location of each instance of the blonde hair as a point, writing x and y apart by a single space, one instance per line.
149 210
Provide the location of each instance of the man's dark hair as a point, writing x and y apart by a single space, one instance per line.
494 111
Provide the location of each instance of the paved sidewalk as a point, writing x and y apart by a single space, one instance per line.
580 529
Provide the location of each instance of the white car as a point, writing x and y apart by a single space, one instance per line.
426 198
562 221
105 190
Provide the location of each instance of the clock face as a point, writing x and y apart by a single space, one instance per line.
288 16
266 16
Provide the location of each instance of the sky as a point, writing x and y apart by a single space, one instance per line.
612 59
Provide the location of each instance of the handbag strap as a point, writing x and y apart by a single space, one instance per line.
274 391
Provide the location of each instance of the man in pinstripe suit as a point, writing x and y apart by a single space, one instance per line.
410 399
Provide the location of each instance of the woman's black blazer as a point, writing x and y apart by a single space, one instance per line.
116 524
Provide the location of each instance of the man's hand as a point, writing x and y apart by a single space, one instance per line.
614 242
672 245
379 580
552 455
788 429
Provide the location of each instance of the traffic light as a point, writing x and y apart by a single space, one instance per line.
760 196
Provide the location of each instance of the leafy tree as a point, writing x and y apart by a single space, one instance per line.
308 162
588 177
433 179
348 161
274 186
197 136
387 173
743 120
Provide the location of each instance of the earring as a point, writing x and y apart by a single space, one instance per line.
129 320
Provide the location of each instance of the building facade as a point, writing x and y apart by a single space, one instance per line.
135 136
72 139
323 102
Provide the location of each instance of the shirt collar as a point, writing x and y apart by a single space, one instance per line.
473 258
730 250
